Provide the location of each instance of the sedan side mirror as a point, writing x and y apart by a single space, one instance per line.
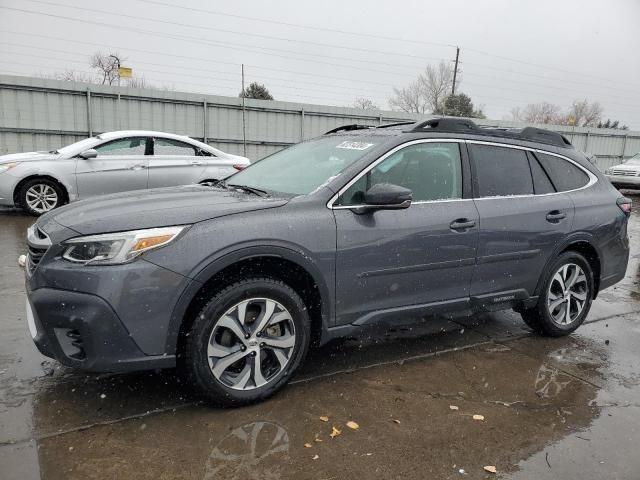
87 154
385 196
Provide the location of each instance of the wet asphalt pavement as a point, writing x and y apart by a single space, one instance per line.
553 408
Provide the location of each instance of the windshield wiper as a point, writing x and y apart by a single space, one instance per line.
247 188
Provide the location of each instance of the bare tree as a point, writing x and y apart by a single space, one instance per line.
139 82
365 103
409 99
436 84
542 112
108 66
584 114
70 76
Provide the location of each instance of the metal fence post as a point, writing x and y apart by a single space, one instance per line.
624 147
380 120
118 119
586 143
89 126
204 122
302 124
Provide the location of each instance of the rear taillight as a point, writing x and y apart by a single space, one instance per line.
625 205
239 166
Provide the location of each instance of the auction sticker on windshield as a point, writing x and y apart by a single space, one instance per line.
355 145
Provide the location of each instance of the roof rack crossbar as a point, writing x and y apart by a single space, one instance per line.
457 125
347 128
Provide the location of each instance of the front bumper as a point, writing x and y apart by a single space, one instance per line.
624 181
82 331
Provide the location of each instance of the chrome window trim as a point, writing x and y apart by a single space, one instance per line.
592 178
381 159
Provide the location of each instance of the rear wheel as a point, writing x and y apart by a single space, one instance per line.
565 299
40 195
246 342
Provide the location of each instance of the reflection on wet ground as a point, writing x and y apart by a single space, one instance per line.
552 408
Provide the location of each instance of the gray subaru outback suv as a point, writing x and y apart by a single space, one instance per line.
231 282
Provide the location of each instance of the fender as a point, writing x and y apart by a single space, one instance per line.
227 257
39 172
567 241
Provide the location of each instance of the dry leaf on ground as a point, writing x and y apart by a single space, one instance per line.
324 419
307 445
396 421
353 425
453 407
478 417
334 432
490 469
315 457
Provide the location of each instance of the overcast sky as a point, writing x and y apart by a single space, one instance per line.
330 52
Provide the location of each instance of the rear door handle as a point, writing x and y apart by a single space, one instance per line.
555 216
138 167
462 224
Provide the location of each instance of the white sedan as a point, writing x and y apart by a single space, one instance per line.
109 163
625 175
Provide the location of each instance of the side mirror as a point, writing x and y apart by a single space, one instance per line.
385 196
87 154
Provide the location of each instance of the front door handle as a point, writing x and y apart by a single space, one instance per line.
555 216
196 162
138 167
462 224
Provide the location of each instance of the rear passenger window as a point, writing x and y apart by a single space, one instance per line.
564 175
541 182
501 171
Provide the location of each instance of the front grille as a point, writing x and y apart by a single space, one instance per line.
626 173
34 256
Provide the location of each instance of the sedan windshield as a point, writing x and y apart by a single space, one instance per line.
78 146
302 168
635 160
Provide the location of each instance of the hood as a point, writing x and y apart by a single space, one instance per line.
27 157
154 208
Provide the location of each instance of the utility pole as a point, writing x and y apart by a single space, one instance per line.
244 123
455 72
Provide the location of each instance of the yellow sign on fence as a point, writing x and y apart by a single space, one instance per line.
125 72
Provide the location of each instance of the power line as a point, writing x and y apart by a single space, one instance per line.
406 40
233 46
234 32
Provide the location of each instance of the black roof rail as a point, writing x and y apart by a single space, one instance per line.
456 125
396 124
347 128
544 136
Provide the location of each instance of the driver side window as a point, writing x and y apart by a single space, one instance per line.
132 146
432 171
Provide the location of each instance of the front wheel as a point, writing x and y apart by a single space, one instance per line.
40 195
246 342
565 299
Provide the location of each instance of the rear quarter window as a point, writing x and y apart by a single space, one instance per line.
564 175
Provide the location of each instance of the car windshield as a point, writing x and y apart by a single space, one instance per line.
78 146
635 160
302 168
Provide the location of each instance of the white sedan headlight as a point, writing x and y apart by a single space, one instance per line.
116 248
7 166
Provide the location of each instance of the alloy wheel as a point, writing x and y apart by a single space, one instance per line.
568 294
41 197
251 343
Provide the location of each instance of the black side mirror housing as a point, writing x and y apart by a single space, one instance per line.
385 196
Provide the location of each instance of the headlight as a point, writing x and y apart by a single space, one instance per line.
115 248
607 171
8 166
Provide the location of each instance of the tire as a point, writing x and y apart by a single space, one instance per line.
549 317
211 342
40 195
